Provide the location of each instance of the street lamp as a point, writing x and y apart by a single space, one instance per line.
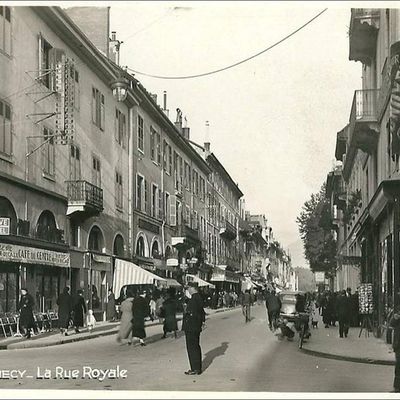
119 88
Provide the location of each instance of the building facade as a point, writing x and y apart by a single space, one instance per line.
63 161
367 194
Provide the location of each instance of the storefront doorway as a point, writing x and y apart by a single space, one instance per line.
49 282
9 288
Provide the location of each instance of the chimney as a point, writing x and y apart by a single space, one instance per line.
154 97
94 22
178 121
186 132
166 112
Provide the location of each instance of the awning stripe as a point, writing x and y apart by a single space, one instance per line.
128 273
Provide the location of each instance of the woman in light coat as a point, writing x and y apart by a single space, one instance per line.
125 327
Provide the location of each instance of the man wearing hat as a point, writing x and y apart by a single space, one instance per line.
193 321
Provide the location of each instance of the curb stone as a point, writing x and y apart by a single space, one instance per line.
347 358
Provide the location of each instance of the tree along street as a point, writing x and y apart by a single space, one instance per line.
236 357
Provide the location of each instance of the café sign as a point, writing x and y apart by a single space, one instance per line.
30 255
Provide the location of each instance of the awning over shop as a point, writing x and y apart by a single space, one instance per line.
194 278
169 282
128 273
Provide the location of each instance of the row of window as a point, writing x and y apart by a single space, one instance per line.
162 154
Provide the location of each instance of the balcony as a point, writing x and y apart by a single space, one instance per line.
364 25
185 238
84 198
228 231
363 132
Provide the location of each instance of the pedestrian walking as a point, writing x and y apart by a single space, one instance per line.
246 304
25 307
168 311
140 310
343 311
327 311
395 323
273 304
159 303
111 310
153 308
79 310
90 321
193 320
64 303
125 327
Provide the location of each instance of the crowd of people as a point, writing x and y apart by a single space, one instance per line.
339 307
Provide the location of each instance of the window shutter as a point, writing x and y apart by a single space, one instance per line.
40 55
117 126
172 210
146 197
93 105
102 112
124 135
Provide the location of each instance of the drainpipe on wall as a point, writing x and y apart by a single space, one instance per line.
131 177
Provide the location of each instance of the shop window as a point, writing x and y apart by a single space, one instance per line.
8 291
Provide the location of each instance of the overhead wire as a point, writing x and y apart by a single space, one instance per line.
235 64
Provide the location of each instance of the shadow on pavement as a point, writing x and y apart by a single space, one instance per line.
213 354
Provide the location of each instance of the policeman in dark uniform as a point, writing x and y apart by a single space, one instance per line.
193 320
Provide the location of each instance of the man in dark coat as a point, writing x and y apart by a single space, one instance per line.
193 321
64 303
273 304
395 323
79 309
343 312
25 307
140 310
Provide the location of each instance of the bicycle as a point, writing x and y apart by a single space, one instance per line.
303 320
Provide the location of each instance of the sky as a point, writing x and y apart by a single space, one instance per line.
273 120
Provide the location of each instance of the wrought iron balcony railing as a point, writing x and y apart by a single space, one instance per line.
85 194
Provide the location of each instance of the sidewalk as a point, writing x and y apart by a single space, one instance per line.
325 342
54 337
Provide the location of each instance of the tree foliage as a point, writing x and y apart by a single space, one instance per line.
315 224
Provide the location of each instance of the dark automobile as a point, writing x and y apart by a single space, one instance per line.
288 309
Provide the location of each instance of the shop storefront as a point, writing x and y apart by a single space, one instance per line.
43 272
99 278
225 280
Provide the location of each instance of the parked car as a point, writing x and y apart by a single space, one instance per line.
288 309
